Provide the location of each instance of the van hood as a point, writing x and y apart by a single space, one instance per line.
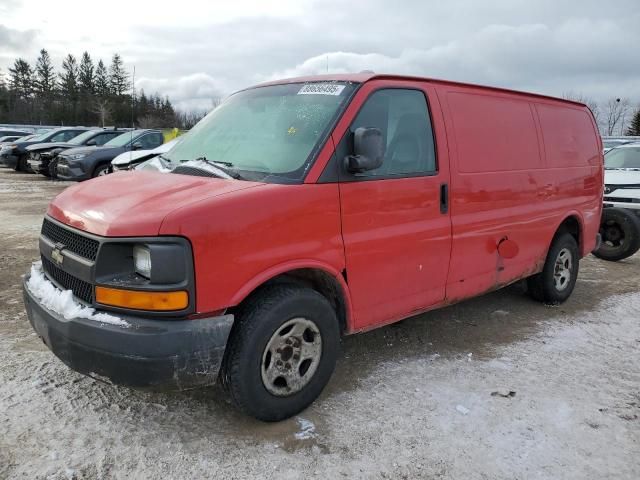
134 203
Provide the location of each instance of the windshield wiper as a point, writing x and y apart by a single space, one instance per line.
226 167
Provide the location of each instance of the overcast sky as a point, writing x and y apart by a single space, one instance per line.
195 50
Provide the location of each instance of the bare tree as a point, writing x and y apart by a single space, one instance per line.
615 115
102 108
591 103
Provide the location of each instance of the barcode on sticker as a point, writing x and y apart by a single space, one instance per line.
321 89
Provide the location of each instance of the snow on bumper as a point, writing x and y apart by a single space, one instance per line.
127 350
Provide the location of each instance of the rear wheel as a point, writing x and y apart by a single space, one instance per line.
281 352
620 231
558 277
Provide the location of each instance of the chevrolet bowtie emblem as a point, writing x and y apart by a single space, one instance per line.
56 253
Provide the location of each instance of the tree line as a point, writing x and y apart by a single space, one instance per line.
614 116
82 93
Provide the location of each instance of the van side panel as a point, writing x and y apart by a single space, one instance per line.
575 164
500 188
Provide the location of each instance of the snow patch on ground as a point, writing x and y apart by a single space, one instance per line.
62 301
307 429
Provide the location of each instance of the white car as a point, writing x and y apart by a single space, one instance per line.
620 227
128 160
622 177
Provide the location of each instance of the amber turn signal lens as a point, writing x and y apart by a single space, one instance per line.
158 301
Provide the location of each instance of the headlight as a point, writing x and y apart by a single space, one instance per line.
77 156
142 260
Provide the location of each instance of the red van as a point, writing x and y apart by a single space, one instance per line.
306 209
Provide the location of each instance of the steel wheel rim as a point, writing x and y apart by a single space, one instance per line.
563 269
291 357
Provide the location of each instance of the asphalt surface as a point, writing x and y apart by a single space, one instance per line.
495 387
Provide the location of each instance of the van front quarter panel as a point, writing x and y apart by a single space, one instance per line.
240 240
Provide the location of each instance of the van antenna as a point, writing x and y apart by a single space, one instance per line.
133 101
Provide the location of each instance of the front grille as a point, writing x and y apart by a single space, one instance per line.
80 288
72 241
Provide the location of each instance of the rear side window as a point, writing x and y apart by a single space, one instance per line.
493 134
150 141
403 117
569 136
103 138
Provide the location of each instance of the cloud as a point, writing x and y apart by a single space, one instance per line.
16 40
195 91
204 50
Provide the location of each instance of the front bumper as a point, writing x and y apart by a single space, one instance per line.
148 353
34 165
633 207
8 160
70 171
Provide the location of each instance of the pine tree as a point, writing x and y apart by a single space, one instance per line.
102 87
634 128
118 77
45 77
86 76
69 78
21 79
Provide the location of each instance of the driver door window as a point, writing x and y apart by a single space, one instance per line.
403 117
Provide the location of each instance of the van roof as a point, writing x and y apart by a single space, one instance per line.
366 76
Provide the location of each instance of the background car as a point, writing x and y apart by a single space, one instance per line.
620 228
129 160
10 132
11 138
15 155
42 154
612 142
87 162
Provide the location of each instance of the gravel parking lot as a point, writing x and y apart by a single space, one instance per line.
495 387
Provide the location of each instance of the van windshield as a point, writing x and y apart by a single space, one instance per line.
623 157
266 133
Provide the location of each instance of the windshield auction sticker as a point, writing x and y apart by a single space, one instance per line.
321 89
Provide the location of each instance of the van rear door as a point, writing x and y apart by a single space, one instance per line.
395 219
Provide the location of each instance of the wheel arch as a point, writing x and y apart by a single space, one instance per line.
574 225
323 278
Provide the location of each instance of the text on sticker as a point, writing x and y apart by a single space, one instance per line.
321 89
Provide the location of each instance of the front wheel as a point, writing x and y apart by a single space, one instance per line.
53 168
281 352
620 231
101 170
558 277
21 164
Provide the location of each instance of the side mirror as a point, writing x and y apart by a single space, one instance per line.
136 146
368 149
91 143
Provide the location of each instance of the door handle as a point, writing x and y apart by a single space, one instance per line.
444 198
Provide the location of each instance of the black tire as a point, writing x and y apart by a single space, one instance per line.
620 231
101 170
258 323
556 282
53 168
21 164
